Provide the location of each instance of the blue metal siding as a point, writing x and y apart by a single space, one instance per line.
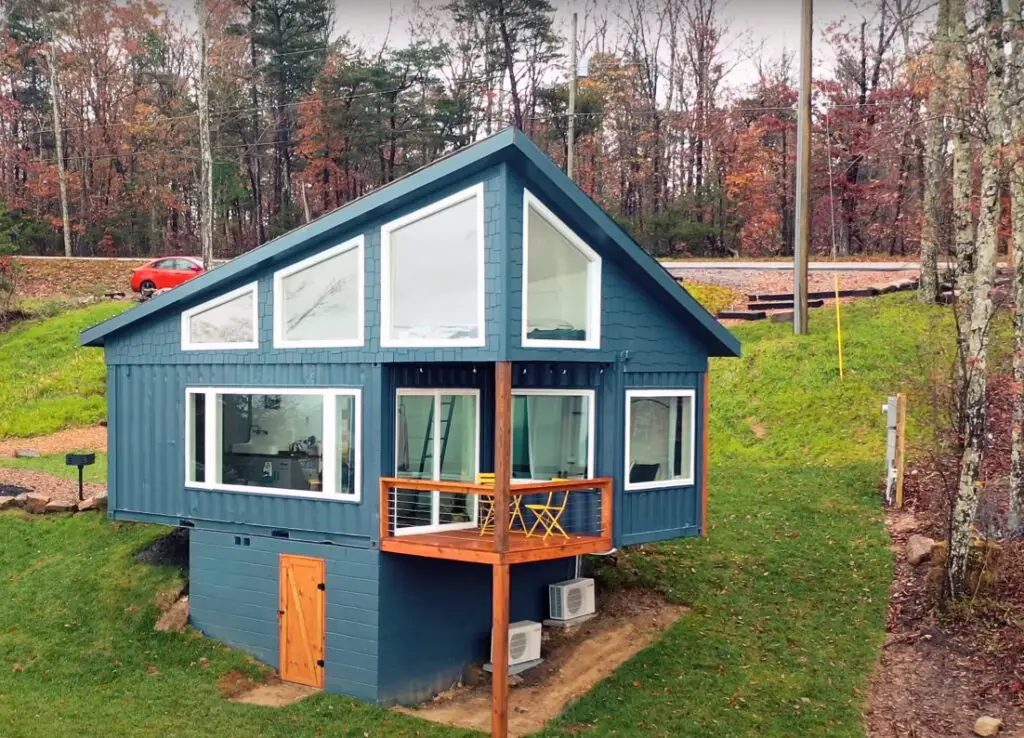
435 619
147 456
632 323
234 597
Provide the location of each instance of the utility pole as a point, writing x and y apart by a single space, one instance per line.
571 151
802 229
58 137
205 154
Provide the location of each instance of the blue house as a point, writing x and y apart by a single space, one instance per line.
362 420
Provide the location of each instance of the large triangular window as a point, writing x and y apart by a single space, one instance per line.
561 283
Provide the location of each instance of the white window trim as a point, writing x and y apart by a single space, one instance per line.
280 341
212 456
386 340
436 496
186 316
591 396
593 340
667 483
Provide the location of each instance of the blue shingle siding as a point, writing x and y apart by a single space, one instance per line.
234 597
436 619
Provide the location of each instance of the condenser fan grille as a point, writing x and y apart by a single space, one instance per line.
517 645
574 600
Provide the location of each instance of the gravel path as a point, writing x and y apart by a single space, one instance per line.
56 488
73 439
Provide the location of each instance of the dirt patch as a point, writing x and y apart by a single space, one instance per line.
272 694
57 489
574 661
61 442
40 278
170 550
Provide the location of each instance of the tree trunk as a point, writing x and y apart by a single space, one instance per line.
935 160
974 415
205 154
963 219
1016 84
510 67
58 136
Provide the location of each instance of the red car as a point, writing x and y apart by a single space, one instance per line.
166 272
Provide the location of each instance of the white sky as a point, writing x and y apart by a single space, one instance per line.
776 23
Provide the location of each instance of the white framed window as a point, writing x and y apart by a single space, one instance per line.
230 321
561 282
552 434
437 437
318 302
660 438
295 442
432 274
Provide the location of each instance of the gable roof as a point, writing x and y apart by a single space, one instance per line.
509 145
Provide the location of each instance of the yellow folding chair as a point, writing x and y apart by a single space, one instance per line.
549 515
514 505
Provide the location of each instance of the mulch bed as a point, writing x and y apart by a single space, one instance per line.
12 490
56 488
73 439
941 670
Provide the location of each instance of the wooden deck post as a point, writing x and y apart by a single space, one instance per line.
499 652
502 451
500 586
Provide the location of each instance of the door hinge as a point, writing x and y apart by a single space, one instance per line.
322 587
320 662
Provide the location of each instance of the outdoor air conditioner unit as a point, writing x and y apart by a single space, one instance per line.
571 599
523 642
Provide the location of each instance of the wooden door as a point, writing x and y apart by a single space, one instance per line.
303 615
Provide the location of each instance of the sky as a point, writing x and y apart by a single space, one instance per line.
776 23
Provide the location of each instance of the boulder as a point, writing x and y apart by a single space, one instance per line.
58 506
175 619
26 453
89 503
8 502
101 500
919 549
35 503
782 316
19 501
987 726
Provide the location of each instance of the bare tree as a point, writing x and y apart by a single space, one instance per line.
935 160
58 137
1015 85
205 153
960 103
974 414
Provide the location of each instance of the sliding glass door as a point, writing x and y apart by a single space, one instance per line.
437 436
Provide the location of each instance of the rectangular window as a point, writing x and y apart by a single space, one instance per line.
299 442
432 274
552 434
226 322
561 283
318 302
660 438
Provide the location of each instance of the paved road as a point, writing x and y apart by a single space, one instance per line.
814 266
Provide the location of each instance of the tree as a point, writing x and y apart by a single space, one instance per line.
205 154
935 160
974 414
1016 116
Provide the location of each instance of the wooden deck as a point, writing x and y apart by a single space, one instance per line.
469 545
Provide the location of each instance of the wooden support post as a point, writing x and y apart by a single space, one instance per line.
901 433
706 455
499 652
502 452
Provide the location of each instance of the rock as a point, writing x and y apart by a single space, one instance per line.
58 506
89 503
987 726
100 498
19 501
35 503
175 619
26 453
783 316
8 502
919 549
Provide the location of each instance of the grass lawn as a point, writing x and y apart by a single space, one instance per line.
54 464
788 593
48 381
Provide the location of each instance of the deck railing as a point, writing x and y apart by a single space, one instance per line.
458 513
